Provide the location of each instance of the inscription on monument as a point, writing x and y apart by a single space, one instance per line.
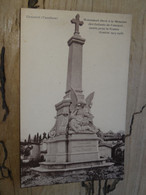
84 146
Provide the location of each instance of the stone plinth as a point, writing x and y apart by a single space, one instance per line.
73 148
83 147
56 149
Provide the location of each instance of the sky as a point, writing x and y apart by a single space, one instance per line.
44 62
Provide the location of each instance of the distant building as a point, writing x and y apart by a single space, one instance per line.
43 149
35 152
105 150
34 149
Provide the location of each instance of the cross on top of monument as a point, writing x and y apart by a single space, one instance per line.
77 23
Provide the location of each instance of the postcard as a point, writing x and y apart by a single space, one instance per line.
73 93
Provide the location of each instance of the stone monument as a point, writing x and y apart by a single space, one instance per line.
73 140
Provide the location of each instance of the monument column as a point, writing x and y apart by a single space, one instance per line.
74 75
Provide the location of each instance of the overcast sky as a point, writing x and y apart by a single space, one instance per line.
44 58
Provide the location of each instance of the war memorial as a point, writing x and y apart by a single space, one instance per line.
74 140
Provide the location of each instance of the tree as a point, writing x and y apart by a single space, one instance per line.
40 138
29 139
35 139
44 135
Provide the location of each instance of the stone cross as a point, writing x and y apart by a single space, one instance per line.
77 23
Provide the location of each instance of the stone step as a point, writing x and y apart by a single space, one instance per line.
67 171
51 165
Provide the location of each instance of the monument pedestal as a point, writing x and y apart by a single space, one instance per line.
69 153
73 148
57 149
83 147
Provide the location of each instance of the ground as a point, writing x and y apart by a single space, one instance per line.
34 179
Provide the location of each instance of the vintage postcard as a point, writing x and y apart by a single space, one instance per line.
73 78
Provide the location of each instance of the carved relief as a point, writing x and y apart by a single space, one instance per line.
81 119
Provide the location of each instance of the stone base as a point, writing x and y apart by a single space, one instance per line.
71 154
64 169
69 165
74 148
57 149
83 147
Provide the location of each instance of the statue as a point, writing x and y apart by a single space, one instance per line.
81 119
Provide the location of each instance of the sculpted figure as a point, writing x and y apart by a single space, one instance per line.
81 120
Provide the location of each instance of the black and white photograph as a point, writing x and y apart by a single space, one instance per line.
73 95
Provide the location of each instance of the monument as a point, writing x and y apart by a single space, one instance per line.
73 141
